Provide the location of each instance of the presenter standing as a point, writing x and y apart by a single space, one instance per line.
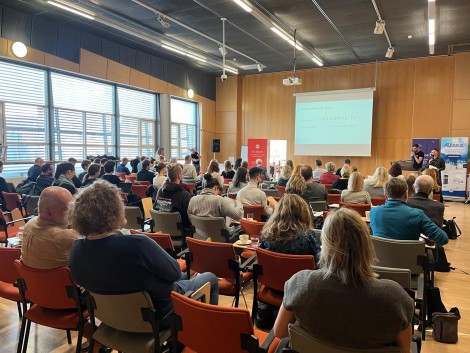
436 160
196 160
417 157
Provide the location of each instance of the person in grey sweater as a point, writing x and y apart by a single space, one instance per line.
355 192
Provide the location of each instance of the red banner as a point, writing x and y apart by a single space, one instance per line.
257 148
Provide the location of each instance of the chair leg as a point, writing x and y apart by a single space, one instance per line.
26 336
21 336
79 339
237 298
20 313
69 337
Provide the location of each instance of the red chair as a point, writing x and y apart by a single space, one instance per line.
358 207
207 328
121 175
256 210
328 186
142 182
12 201
220 259
272 270
131 178
281 190
56 302
9 229
333 198
232 196
191 187
9 275
139 190
377 201
227 181
436 197
252 228
164 240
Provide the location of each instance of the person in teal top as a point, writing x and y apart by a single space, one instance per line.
396 220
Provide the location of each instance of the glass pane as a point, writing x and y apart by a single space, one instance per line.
137 104
22 84
183 111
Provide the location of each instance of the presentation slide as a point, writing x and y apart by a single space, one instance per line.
334 123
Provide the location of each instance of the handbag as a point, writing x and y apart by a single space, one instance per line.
445 326
451 228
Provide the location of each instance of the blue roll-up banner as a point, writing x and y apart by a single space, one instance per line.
454 151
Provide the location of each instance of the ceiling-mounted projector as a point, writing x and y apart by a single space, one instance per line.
292 81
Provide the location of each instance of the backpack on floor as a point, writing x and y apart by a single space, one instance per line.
451 228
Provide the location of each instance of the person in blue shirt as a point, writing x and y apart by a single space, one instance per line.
121 168
396 220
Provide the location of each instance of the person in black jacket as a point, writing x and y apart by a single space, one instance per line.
109 173
172 197
45 179
145 174
35 170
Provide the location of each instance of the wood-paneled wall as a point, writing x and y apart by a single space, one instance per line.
427 97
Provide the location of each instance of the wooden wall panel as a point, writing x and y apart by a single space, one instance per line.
158 85
254 108
460 133
433 97
228 146
226 93
205 153
93 65
3 47
33 55
176 91
226 122
208 115
118 73
363 76
279 108
462 76
310 81
461 115
55 61
139 79
391 149
333 78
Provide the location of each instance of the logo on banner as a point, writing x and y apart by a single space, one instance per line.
257 146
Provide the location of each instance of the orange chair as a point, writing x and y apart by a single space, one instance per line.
227 181
359 207
56 302
328 186
210 328
256 210
232 196
131 178
9 229
12 201
142 182
333 198
218 258
377 201
9 275
272 270
121 175
281 190
436 197
191 187
139 190
253 229
164 240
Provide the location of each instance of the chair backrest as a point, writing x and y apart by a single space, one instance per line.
8 271
142 182
250 227
256 210
212 257
358 207
131 178
318 206
210 328
12 200
121 175
436 197
123 311
278 268
328 186
400 275
139 190
232 196
281 189
47 288
302 342
333 198
133 216
227 181
209 227
147 206
164 240
125 187
32 205
191 187
377 201
399 253
167 222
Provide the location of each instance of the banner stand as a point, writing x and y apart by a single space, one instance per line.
454 151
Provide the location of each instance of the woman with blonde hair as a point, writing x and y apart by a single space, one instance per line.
436 189
228 173
342 183
355 192
346 276
286 173
296 184
296 169
375 185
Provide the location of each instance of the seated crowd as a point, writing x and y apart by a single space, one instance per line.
81 224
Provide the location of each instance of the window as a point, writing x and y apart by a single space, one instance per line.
183 127
137 116
83 121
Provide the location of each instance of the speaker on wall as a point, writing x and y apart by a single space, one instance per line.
215 145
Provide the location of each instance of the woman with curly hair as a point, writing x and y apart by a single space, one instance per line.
213 169
296 185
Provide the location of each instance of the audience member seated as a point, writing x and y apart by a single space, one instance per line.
102 163
342 183
395 171
423 188
347 163
238 182
343 303
45 179
264 171
106 261
228 173
75 180
35 170
134 163
396 220
375 185
140 166
209 204
410 181
172 197
109 173
296 185
238 163
145 174
189 171
313 190
318 170
92 175
121 168
355 192
245 164
47 240
63 176
85 165
286 173
252 195
290 163
329 176
436 189
160 177
213 169
3 187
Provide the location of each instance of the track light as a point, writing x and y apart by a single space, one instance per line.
379 27
71 9
222 50
244 6
162 21
389 53
259 67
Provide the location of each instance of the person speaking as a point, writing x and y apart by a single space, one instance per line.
417 157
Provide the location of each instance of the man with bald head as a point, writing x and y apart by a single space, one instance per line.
46 238
433 209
